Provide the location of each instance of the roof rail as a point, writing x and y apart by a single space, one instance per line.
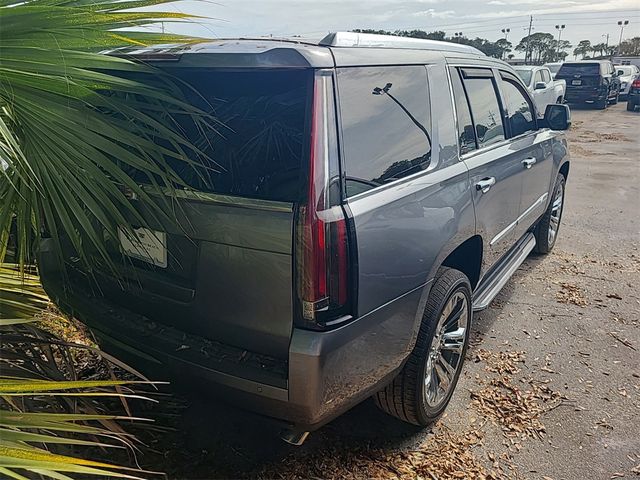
368 40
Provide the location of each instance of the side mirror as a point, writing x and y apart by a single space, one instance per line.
557 117
540 86
620 72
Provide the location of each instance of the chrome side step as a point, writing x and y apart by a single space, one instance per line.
492 286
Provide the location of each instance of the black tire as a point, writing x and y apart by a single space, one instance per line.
631 106
544 241
405 396
615 99
602 104
560 100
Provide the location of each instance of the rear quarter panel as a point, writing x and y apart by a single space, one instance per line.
405 230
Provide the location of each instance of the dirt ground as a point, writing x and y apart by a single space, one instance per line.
551 387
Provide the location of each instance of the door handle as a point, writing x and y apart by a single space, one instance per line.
529 162
485 184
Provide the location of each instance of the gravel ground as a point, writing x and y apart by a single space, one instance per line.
551 388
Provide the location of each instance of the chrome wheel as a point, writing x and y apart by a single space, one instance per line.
447 348
556 214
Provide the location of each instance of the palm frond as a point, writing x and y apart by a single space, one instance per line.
70 132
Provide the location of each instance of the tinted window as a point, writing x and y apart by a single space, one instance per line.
385 123
485 110
570 69
519 111
466 136
259 144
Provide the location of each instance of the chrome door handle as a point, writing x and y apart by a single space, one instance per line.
529 162
485 184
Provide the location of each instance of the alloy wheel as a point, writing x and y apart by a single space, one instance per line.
556 214
447 348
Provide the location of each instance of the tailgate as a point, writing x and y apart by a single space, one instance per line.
225 271
228 280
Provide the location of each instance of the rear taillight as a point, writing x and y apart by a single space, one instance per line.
322 237
636 83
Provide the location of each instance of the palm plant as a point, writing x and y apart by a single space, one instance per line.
42 404
66 144
66 152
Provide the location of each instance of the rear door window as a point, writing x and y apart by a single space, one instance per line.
546 76
386 124
485 109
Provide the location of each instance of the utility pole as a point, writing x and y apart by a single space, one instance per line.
529 39
606 45
559 28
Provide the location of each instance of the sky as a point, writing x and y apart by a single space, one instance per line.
584 19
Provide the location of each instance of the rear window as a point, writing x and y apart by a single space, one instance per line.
579 69
260 145
553 68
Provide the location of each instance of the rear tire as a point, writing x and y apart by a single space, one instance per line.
423 388
560 100
631 106
546 232
602 104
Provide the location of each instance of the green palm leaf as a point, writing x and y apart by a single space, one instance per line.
67 143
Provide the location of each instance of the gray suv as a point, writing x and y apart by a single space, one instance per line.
370 194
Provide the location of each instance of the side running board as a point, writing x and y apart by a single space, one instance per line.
492 285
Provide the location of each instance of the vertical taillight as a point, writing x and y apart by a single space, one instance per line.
322 239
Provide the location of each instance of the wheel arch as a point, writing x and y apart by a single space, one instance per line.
564 169
467 257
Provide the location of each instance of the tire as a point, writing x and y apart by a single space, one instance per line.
548 227
560 100
615 99
631 106
602 104
406 397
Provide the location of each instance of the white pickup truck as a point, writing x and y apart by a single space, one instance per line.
543 88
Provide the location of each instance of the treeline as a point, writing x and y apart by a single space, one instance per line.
537 48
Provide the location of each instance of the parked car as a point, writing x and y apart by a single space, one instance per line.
626 74
594 82
544 90
553 68
633 99
371 193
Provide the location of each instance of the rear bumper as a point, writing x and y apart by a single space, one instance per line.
585 96
326 372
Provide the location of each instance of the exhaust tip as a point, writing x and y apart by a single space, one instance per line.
294 437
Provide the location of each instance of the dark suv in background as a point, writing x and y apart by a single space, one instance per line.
371 193
592 82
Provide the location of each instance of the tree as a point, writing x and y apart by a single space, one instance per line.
537 46
630 47
598 48
505 47
65 145
583 48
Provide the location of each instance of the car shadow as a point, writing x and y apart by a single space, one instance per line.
198 437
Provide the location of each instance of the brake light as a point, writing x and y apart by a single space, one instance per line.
636 83
323 276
